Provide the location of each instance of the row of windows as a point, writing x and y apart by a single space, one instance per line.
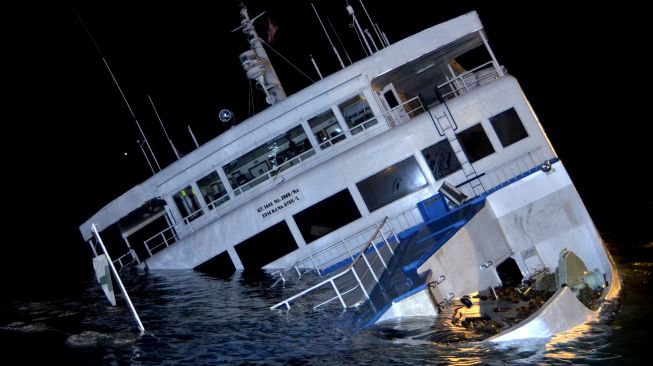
282 152
405 177
442 160
377 190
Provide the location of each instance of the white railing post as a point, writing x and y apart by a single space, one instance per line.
369 266
348 251
147 246
353 270
338 293
387 243
314 266
378 254
392 230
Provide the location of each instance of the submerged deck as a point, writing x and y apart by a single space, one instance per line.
376 281
401 279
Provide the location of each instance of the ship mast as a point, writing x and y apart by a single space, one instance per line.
256 62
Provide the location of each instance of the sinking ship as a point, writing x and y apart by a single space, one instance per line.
415 182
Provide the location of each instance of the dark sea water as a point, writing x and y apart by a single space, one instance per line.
194 319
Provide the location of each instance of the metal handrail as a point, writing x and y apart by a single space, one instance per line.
395 226
273 172
130 253
351 268
534 158
178 228
392 114
460 79
202 217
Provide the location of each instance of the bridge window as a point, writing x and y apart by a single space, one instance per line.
268 159
441 159
475 143
187 203
508 127
326 129
213 190
357 114
391 184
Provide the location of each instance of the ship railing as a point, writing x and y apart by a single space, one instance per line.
363 125
295 160
469 80
163 238
513 168
404 112
204 215
126 259
505 173
356 282
344 250
338 253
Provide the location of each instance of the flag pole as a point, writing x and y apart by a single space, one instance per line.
115 273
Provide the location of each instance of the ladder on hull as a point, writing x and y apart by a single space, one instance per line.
448 129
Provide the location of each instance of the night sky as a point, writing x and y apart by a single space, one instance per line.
66 138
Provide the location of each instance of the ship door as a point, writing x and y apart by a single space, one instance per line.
392 103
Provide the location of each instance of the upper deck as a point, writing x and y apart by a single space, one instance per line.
427 53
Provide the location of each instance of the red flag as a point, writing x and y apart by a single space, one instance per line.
272 29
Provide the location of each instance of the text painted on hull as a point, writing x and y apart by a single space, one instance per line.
279 203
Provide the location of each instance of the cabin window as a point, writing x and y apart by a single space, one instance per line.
326 216
391 184
441 159
508 127
213 190
266 246
187 203
326 129
219 266
475 143
278 154
357 114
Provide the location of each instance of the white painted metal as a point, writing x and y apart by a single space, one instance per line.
335 51
560 313
267 78
419 304
96 234
300 105
541 211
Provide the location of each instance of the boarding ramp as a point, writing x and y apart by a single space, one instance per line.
353 284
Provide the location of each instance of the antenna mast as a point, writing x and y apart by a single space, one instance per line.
375 26
174 149
358 29
256 62
124 98
342 64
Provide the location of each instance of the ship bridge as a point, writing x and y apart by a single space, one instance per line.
443 73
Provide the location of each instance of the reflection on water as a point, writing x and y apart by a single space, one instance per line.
192 318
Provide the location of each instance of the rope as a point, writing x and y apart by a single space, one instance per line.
250 101
285 59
